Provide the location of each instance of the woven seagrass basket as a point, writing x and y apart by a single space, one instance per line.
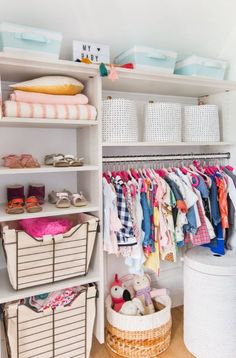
140 336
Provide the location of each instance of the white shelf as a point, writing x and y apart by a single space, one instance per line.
165 84
168 144
45 123
47 169
19 68
8 294
16 68
48 210
85 143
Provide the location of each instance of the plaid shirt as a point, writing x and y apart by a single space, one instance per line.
202 236
125 236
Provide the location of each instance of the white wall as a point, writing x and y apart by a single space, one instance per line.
187 26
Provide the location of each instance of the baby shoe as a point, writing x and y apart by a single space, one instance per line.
12 161
73 161
37 190
76 199
32 205
60 161
15 206
49 158
15 192
60 199
27 161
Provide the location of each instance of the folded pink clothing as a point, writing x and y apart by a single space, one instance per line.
42 98
51 111
39 227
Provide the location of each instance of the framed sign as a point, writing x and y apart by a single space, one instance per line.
96 53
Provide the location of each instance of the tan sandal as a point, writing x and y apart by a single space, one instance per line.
32 205
60 199
76 199
15 206
73 161
60 161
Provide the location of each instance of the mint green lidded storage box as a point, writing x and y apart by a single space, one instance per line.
29 41
148 59
202 67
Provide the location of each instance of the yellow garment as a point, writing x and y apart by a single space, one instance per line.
156 216
153 260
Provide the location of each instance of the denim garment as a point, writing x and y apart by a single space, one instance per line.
192 222
202 187
215 212
146 223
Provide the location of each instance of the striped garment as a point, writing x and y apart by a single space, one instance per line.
51 111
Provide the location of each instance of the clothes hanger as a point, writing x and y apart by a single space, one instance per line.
162 172
189 170
200 170
107 177
134 174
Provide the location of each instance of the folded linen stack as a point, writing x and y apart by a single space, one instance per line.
53 97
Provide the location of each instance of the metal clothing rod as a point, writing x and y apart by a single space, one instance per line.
165 157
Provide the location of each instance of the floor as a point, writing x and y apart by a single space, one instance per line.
176 350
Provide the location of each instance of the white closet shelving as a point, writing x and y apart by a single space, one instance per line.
45 123
48 210
7 294
84 139
166 144
134 81
47 169
39 137
144 86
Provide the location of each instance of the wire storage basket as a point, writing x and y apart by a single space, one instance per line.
201 124
162 122
64 331
32 261
119 122
139 336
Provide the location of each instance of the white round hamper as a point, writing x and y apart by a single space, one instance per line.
210 303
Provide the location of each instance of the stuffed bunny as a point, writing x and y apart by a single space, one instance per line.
132 308
142 289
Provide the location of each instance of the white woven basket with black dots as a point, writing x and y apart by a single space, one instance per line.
119 121
162 122
201 124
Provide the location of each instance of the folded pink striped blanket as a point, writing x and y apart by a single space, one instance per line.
51 111
42 98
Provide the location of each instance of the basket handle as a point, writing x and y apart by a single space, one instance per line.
32 36
157 55
212 64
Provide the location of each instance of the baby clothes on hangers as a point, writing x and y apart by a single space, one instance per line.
160 211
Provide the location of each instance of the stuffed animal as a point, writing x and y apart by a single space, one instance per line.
143 292
119 294
132 308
